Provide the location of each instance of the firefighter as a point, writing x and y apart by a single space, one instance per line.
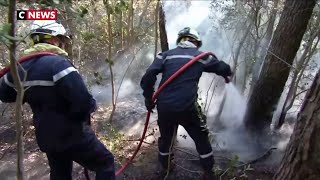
61 106
177 103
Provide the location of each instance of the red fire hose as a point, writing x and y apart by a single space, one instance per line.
164 85
26 58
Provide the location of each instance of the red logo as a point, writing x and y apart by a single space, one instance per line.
37 14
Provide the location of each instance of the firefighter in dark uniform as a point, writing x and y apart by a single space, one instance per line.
177 103
61 106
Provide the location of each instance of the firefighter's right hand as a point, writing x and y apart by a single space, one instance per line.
149 104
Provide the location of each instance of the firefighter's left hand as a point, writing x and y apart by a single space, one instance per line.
149 104
227 79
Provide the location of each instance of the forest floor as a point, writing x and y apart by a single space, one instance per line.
128 120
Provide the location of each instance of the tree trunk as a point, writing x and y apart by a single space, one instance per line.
70 27
19 89
142 15
281 52
109 60
238 50
265 43
130 24
162 28
301 159
121 30
156 19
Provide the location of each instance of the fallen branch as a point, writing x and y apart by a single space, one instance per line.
179 149
221 157
139 140
224 173
6 151
261 158
4 109
191 171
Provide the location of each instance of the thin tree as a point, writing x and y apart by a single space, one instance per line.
130 24
265 42
19 88
281 52
156 24
109 60
162 28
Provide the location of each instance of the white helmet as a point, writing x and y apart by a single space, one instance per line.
49 27
189 32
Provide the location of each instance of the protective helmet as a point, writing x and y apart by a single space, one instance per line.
50 27
45 29
188 32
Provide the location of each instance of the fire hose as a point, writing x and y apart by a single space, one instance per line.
26 58
154 98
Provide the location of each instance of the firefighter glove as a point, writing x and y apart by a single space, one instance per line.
149 104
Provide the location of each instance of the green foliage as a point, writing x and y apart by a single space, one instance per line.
217 170
5 38
56 1
109 61
87 36
114 139
233 166
108 6
121 6
53 2
83 10
245 170
4 3
5 28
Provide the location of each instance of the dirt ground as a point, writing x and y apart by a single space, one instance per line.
129 120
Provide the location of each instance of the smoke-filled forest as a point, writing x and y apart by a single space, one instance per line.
262 119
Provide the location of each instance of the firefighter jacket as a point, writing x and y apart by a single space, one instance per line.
181 94
57 95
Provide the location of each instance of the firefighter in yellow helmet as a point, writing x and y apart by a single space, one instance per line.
61 106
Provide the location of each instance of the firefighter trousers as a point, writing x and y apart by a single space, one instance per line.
90 153
194 122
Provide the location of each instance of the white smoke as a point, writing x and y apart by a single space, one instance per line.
179 15
127 69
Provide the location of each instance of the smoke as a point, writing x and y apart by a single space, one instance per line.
128 69
180 15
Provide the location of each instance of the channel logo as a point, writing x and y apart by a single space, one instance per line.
37 14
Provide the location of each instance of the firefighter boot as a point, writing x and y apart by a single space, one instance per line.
209 176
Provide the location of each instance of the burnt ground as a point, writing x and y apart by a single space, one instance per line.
128 120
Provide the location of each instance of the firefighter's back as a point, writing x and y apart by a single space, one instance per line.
56 129
182 92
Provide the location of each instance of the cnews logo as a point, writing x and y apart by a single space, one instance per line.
37 14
